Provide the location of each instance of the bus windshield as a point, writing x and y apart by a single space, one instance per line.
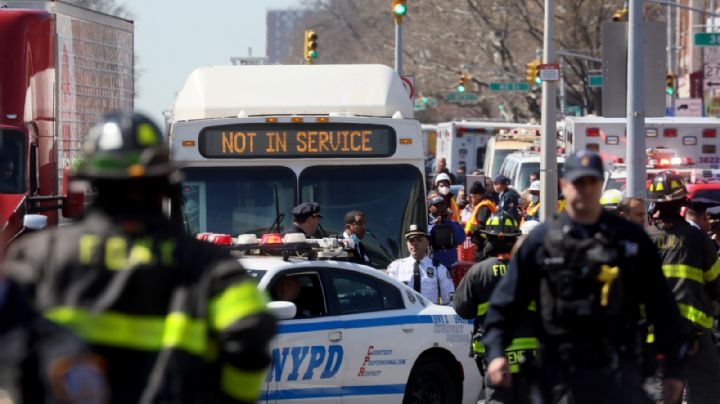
237 200
380 192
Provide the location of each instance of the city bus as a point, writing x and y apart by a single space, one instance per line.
255 141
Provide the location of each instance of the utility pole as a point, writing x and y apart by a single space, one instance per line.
548 139
635 103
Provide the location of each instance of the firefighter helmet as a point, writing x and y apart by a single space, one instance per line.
501 224
667 186
611 199
125 145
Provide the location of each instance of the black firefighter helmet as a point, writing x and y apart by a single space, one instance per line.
667 186
501 224
125 146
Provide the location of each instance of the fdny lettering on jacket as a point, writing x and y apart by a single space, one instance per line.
305 362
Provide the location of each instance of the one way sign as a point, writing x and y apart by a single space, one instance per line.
712 76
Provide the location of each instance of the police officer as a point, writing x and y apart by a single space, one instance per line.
692 269
589 272
430 279
471 302
175 319
508 198
306 219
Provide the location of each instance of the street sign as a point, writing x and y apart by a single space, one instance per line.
688 107
707 39
461 97
549 72
595 80
711 76
509 87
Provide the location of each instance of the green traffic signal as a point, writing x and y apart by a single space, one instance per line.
669 90
461 88
425 100
312 54
501 107
400 9
538 81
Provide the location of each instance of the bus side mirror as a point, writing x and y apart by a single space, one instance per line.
73 197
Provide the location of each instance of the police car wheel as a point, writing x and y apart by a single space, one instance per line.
432 380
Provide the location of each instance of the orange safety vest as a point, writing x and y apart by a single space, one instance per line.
472 223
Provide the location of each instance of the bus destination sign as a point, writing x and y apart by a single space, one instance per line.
297 141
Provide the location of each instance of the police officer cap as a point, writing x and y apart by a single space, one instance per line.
434 197
583 163
477 188
416 230
307 209
501 179
701 204
713 214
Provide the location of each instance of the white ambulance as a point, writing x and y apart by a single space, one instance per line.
464 143
686 142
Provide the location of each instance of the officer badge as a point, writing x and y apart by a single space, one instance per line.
413 227
585 161
430 272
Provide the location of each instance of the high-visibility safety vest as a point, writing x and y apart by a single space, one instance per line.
691 267
175 319
473 222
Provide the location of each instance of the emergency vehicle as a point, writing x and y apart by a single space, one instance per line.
62 68
254 141
345 337
464 143
694 141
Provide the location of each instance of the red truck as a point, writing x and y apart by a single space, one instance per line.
62 68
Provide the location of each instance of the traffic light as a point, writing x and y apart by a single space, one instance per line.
463 82
310 46
533 72
670 84
398 10
620 15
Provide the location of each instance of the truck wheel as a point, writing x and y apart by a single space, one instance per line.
432 381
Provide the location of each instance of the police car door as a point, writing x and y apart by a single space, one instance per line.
307 353
380 339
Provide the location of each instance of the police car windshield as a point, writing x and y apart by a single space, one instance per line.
237 200
525 170
391 196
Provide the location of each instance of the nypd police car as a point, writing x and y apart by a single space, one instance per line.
350 333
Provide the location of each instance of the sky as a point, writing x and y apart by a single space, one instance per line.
173 37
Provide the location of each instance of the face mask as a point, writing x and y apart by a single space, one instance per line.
534 198
444 190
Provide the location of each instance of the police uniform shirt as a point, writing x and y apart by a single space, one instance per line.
431 277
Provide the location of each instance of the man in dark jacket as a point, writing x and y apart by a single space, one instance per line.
589 271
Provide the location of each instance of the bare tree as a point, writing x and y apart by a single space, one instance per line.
491 40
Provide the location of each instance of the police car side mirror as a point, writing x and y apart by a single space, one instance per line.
282 310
